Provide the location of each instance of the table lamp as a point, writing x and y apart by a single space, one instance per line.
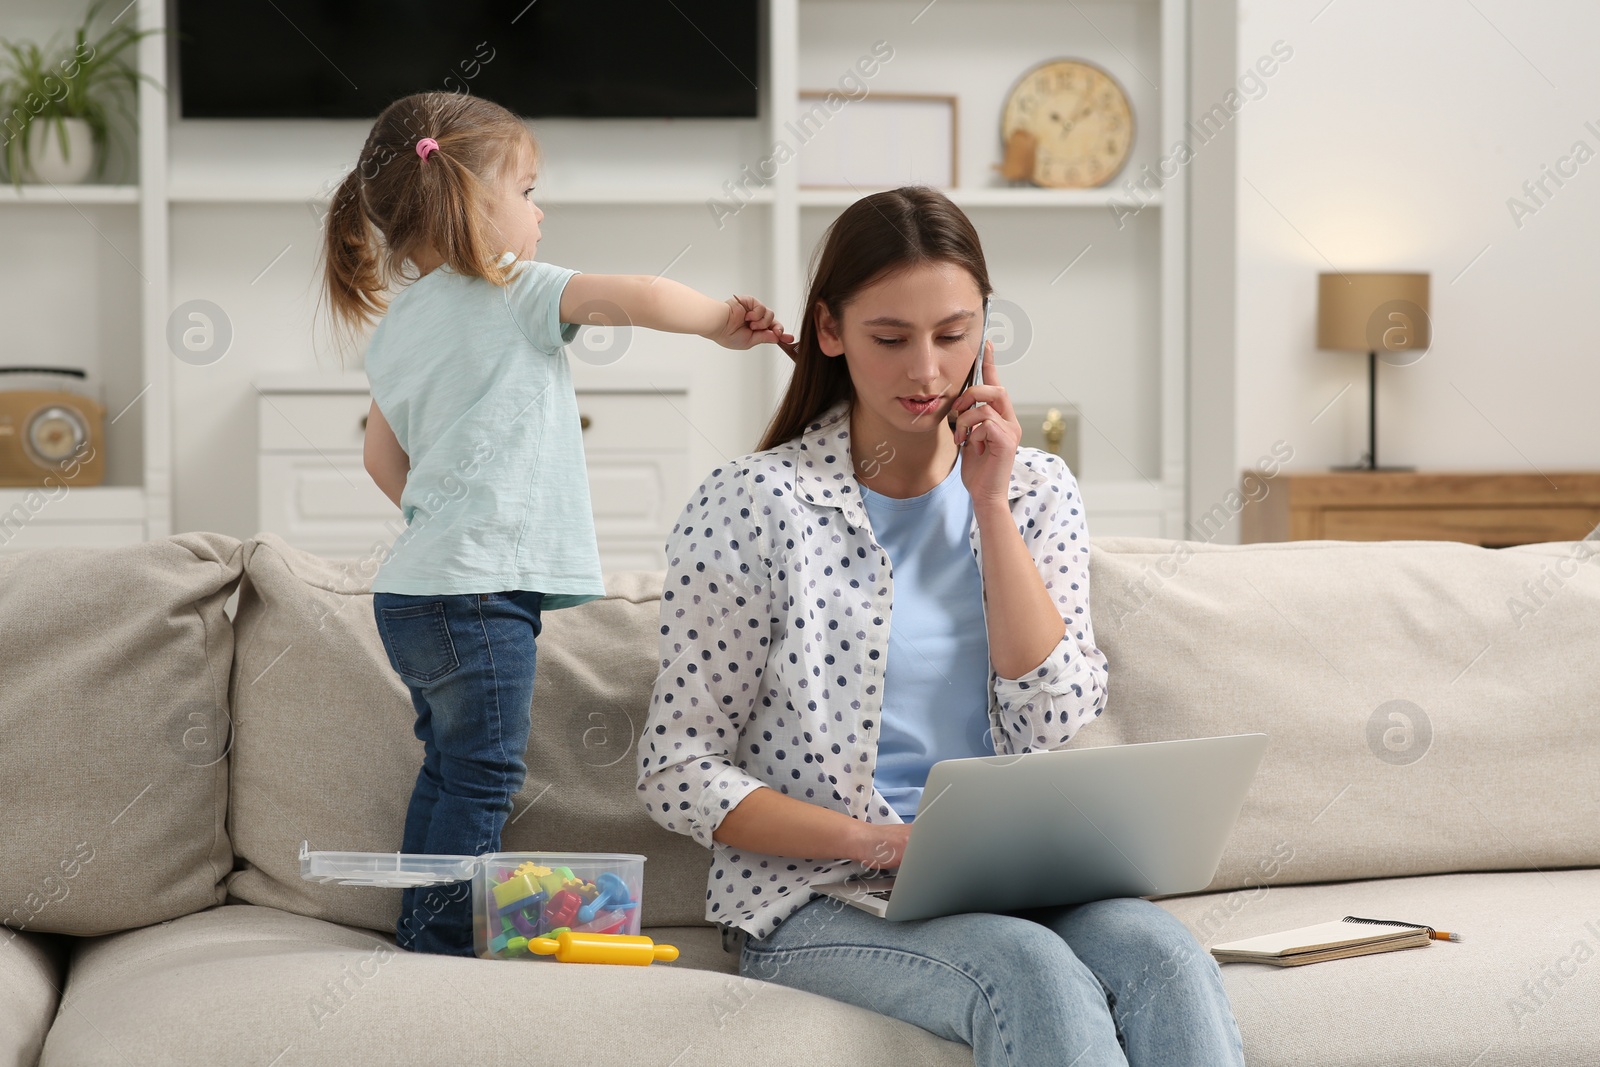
1374 313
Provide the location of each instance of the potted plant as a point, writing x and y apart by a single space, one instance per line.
56 102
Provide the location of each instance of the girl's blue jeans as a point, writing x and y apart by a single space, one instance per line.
1110 982
468 660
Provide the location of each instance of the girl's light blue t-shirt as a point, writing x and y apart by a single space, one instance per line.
473 381
936 677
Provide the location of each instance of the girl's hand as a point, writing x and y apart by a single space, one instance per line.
880 845
988 436
749 323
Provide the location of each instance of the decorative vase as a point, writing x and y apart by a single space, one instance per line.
44 150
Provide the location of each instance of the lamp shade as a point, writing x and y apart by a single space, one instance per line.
1373 312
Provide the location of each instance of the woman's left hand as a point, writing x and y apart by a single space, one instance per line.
988 435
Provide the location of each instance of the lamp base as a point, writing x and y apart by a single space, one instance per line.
1375 470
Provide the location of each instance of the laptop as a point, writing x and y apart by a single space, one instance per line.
1001 833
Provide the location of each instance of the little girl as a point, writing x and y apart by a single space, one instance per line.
474 433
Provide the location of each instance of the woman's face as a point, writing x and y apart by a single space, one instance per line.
909 340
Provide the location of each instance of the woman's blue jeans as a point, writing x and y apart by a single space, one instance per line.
1110 982
468 660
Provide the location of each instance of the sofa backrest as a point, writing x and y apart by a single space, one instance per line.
114 671
1432 706
324 751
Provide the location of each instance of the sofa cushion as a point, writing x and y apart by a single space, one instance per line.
250 984
115 771
324 750
1518 991
1432 706
699 947
33 968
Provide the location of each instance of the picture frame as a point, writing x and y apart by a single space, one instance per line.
877 141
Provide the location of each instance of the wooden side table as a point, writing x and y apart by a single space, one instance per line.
1493 510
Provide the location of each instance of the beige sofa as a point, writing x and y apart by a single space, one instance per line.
163 761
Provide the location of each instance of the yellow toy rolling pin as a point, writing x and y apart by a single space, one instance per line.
570 947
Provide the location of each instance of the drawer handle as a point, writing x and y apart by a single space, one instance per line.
584 422
364 424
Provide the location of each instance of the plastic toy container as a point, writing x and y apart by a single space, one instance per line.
515 895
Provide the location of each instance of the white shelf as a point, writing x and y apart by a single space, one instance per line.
246 192
69 194
645 196
88 503
260 192
313 382
191 191
585 379
995 197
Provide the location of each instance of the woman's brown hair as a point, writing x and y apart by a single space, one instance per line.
394 203
873 238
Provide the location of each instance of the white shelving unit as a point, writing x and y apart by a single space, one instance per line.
229 211
69 194
103 306
1112 342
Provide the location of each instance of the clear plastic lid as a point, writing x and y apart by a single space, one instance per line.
394 870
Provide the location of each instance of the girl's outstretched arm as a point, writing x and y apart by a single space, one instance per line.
662 304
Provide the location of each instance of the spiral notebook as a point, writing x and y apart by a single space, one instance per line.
1337 940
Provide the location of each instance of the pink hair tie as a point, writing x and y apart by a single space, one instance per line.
426 145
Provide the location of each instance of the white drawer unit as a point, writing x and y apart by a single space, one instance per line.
314 422
637 448
313 489
96 516
316 494
326 503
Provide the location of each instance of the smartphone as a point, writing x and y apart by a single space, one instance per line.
975 375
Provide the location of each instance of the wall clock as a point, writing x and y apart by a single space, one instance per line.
1079 120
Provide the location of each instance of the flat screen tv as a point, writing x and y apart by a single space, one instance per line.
540 58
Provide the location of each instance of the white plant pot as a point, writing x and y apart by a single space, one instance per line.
44 148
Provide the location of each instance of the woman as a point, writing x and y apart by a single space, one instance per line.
792 726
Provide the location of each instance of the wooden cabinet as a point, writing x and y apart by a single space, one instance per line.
1493 510
315 491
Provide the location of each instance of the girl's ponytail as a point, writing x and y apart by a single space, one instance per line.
352 277
397 202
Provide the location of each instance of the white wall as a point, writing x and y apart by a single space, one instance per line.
1392 140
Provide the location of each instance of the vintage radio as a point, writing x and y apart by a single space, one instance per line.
51 428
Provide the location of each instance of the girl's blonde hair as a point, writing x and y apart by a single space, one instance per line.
394 203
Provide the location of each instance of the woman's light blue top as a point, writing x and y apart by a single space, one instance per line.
936 678
473 380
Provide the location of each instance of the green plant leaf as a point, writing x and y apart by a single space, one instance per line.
51 84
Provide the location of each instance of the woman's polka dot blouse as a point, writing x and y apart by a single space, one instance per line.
774 632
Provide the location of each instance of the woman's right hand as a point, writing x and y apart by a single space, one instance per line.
881 845
780 825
